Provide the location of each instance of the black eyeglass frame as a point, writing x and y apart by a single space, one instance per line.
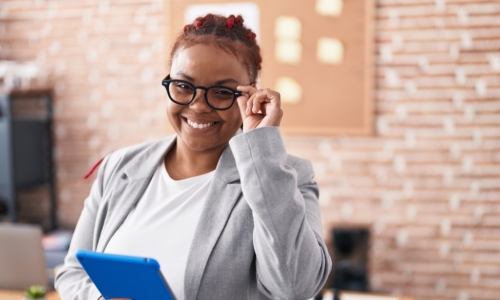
166 82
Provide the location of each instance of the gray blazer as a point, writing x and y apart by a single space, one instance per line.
259 236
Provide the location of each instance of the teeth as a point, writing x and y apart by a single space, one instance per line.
196 125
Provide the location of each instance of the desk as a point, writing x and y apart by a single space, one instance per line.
344 295
18 295
347 295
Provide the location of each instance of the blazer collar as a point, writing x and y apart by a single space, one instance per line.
145 163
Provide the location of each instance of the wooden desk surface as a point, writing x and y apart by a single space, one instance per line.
18 295
345 295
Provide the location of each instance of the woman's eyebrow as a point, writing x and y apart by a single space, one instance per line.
185 76
228 80
218 82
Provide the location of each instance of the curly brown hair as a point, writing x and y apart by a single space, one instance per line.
227 33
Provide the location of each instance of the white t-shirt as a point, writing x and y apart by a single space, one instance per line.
163 223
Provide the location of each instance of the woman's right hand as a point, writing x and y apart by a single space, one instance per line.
259 108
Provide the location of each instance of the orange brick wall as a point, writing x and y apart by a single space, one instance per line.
427 182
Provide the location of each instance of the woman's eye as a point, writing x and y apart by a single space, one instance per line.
183 86
224 92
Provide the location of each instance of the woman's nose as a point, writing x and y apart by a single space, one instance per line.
199 104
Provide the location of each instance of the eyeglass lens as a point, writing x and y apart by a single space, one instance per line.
218 96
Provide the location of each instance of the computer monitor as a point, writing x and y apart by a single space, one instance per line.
22 260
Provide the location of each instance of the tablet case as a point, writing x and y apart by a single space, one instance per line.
122 276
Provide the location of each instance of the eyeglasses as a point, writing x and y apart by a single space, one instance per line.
183 92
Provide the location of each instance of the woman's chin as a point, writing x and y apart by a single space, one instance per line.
199 145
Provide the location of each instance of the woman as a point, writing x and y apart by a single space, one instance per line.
228 214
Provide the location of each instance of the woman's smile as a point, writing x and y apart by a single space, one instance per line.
201 126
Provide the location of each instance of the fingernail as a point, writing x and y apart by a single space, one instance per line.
248 110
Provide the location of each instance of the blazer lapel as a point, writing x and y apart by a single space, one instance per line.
222 196
127 193
129 188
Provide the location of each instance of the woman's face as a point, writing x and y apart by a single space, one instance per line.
205 65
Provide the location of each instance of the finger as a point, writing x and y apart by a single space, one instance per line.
242 105
273 97
253 104
250 90
263 108
259 98
264 97
249 104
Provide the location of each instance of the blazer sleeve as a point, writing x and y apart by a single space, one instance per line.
72 282
291 257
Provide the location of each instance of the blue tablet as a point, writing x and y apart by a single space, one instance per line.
122 276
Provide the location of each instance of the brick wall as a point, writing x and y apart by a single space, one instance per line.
427 182
105 62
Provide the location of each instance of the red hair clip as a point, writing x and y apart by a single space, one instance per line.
230 22
251 35
198 23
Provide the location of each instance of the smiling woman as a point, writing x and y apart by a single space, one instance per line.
227 212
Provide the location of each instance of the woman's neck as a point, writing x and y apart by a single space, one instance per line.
182 162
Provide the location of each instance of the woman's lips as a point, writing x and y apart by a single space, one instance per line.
199 124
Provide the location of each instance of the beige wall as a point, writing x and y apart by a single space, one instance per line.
427 182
